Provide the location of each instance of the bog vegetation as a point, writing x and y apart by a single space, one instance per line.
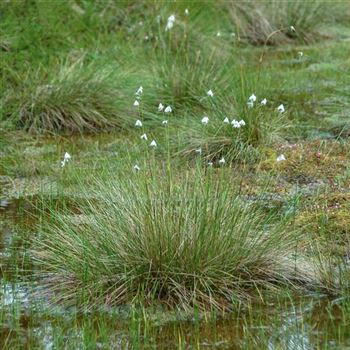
189 156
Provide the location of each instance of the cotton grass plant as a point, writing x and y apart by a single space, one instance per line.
186 60
148 237
233 128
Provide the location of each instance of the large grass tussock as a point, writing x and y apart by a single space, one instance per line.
183 243
76 98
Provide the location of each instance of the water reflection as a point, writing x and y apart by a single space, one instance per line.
293 323
294 333
13 293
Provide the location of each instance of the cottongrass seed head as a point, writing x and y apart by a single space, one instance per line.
280 158
170 22
153 144
160 107
252 98
222 161
280 108
205 120
139 91
66 159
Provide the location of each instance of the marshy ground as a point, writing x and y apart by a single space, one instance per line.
230 230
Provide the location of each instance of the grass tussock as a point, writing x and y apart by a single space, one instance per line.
184 243
280 22
176 66
78 98
263 125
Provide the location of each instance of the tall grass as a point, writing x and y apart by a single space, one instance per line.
77 97
264 125
278 22
184 242
178 66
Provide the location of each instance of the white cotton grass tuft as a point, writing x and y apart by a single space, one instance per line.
164 122
168 109
198 151
263 102
138 123
144 137
187 12
210 163
222 161
153 144
136 103
292 28
139 91
67 156
66 159
210 93
136 167
280 158
252 98
226 121
205 120
280 108
160 107
236 124
170 22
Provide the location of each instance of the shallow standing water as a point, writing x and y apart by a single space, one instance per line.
28 321
312 84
